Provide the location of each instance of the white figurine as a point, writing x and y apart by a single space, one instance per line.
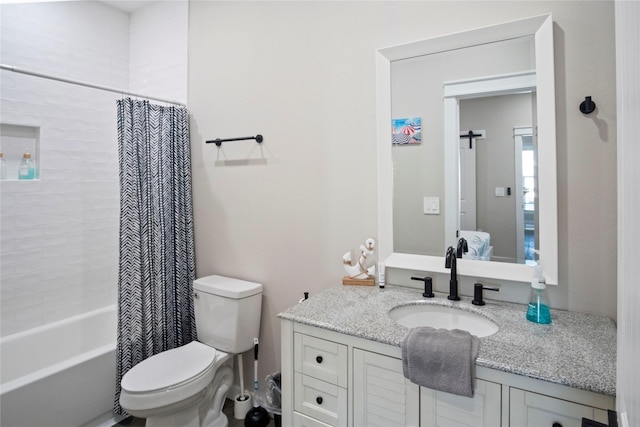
365 268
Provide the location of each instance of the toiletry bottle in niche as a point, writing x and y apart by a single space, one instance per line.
26 170
538 309
3 167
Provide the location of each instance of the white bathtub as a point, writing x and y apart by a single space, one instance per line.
62 374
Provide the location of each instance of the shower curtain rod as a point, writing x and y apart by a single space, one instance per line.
91 85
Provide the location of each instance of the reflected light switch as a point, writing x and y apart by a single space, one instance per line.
432 205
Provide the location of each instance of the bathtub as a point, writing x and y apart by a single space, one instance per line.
62 374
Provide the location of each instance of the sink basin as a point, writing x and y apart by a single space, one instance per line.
441 317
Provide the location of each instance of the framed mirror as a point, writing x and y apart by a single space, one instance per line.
420 186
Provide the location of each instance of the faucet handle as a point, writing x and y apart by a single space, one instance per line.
428 286
477 293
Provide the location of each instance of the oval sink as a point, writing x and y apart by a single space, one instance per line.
439 317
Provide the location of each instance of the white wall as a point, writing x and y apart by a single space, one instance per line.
303 75
158 56
628 91
59 235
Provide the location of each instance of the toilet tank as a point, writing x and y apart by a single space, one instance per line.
227 312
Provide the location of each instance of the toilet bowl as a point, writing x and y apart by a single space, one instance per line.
187 386
176 381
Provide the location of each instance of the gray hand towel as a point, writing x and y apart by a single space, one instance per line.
440 359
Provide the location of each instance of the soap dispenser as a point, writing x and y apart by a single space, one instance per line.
538 309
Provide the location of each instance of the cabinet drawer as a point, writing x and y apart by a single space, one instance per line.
300 420
321 359
320 400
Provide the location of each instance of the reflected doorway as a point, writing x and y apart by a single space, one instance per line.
525 178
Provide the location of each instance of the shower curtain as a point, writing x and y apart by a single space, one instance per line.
157 255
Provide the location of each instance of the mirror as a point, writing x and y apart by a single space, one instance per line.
420 184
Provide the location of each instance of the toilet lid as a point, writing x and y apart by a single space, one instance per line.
169 368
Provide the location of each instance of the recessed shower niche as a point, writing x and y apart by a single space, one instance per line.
20 147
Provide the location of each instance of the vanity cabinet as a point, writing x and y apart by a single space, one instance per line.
445 409
382 396
532 409
320 381
332 379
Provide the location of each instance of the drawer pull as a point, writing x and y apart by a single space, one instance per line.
319 401
319 359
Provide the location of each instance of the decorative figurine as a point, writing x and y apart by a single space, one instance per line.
362 271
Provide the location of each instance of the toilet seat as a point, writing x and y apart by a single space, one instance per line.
170 377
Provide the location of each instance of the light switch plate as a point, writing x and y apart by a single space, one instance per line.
499 191
431 205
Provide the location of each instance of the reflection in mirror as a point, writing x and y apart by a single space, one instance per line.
420 170
441 81
497 178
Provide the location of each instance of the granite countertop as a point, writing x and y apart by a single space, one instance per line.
577 350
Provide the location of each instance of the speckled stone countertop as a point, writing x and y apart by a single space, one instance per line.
577 350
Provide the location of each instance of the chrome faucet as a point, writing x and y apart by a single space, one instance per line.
451 262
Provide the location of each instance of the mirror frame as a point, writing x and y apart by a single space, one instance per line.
541 27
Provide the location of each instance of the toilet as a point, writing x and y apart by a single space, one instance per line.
187 386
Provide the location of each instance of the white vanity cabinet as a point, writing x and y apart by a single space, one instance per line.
382 396
532 409
444 409
320 381
333 379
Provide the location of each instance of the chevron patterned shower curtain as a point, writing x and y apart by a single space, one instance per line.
157 255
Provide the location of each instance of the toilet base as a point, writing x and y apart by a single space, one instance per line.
205 411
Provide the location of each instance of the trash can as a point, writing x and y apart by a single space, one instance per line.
270 397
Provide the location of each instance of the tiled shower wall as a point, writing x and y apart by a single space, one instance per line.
59 234
158 50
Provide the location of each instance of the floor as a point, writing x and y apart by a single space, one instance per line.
228 411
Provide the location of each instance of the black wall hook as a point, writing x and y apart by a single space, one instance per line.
587 106
470 135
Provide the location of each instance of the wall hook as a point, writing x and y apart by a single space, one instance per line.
587 106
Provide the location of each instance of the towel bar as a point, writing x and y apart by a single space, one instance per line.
219 141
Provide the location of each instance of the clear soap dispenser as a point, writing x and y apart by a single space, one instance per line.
538 309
